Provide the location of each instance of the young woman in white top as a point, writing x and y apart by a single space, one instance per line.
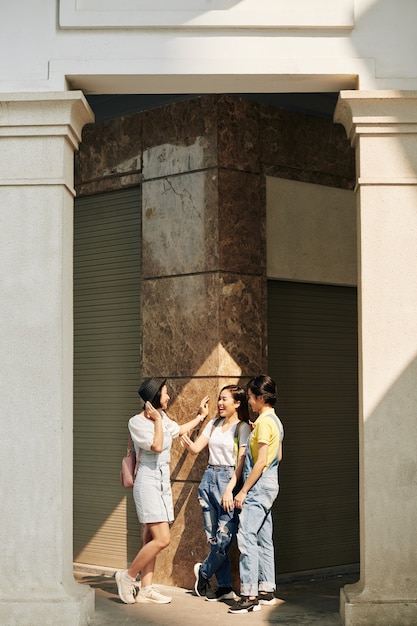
152 432
226 438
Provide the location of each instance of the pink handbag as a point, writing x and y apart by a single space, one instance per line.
129 466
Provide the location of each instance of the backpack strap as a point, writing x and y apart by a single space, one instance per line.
216 423
236 438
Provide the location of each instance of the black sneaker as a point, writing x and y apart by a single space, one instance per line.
245 605
267 597
201 584
221 593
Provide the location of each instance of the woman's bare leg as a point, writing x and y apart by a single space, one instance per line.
148 570
156 537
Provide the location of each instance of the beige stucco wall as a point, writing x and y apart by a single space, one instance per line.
38 137
383 129
311 233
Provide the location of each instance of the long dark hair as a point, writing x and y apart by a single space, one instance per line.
239 395
264 386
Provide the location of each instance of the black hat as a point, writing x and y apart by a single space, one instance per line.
150 387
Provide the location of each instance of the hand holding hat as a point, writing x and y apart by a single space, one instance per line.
151 413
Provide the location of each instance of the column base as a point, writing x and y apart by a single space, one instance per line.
357 612
77 610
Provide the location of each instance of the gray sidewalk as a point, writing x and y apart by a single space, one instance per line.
313 601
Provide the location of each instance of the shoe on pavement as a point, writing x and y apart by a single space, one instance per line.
267 597
125 586
136 588
152 595
222 593
245 605
201 584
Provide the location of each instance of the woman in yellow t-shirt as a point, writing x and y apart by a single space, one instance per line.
256 497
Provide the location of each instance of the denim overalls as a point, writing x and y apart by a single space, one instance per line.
152 489
254 537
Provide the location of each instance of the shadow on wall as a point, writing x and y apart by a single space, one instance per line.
396 467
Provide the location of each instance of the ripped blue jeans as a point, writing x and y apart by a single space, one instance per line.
220 526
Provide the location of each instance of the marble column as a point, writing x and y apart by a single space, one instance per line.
383 129
204 281
39 133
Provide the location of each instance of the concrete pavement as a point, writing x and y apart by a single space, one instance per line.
311 601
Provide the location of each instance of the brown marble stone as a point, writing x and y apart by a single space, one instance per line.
238 134
213 131
181 325
204 221
179 138
243 324
200 133
314 149
242 216
204 291
186 395
204 324
110 156
307 176
180 224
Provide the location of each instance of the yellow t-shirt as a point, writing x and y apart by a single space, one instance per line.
266 431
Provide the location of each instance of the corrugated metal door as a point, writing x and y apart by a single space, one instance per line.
312 333
107 339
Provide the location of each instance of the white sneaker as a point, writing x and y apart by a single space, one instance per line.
125 586
152 595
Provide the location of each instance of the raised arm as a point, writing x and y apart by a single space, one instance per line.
154 415
202 414
194 446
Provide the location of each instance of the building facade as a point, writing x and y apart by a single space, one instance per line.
198 187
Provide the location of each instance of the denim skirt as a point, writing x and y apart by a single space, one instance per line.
152 493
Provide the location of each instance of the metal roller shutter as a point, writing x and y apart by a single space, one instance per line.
107 339
312 334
